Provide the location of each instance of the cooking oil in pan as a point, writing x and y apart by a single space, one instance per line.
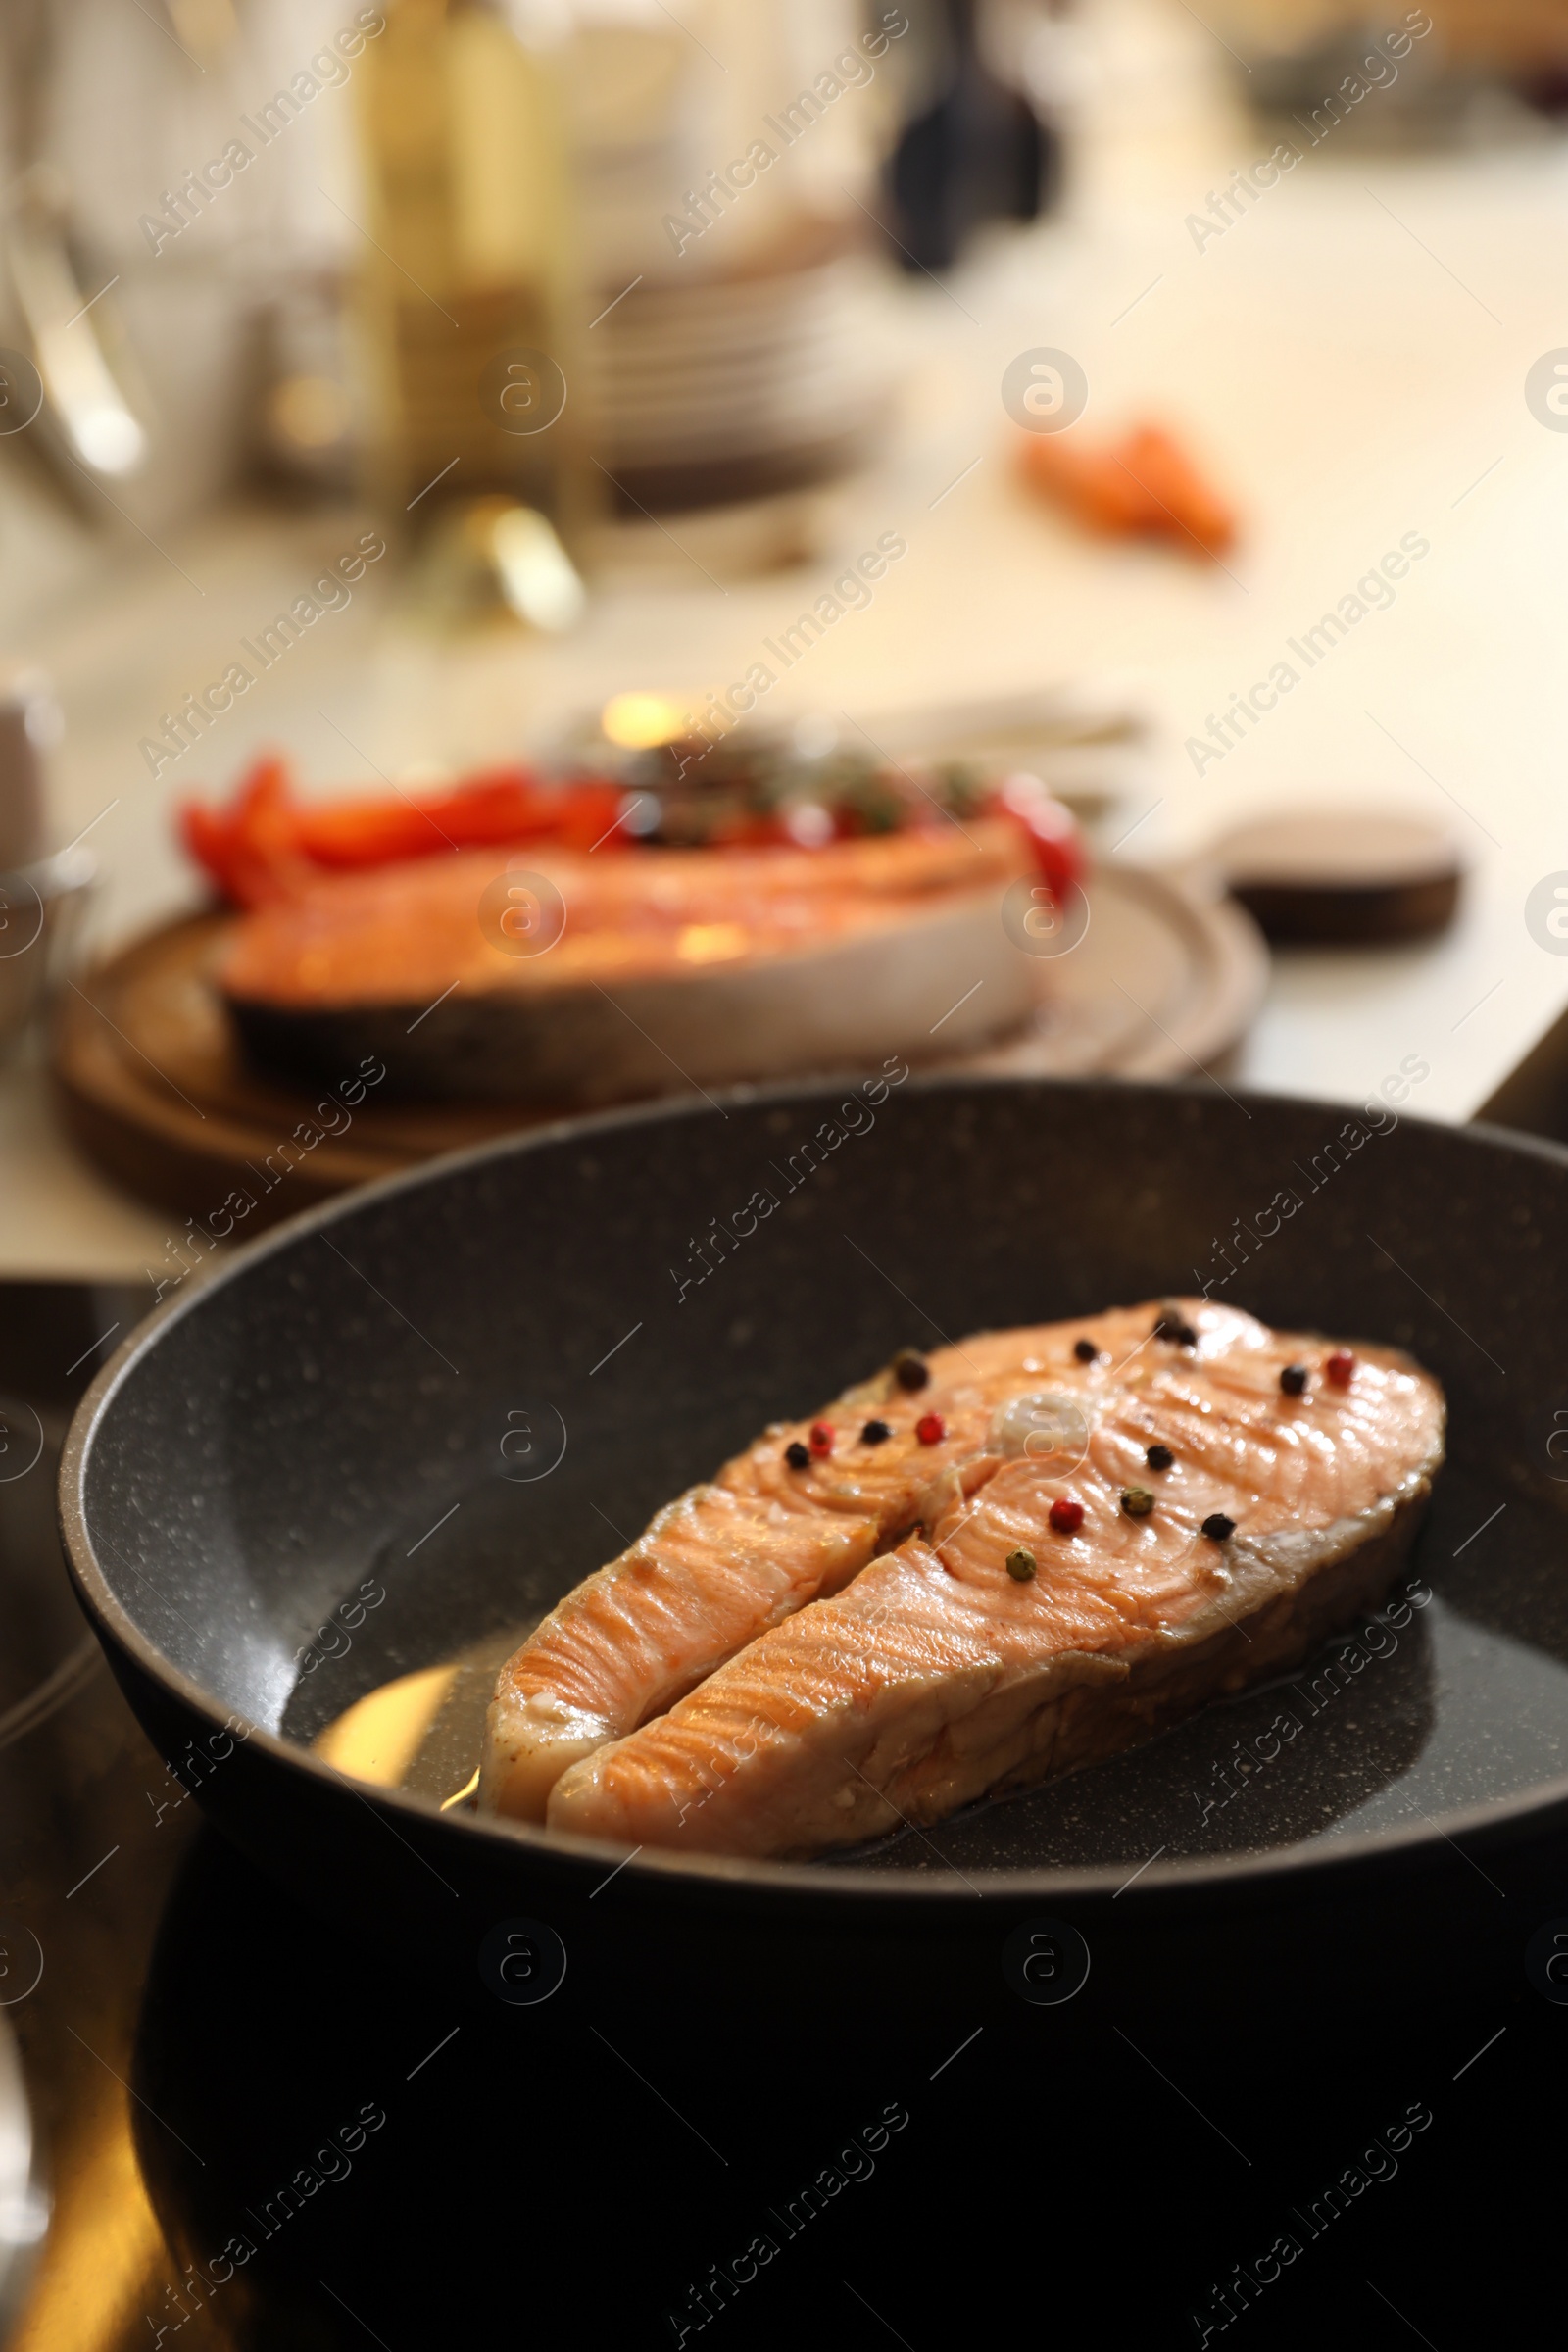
422 1731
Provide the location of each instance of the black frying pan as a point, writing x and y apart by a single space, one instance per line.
346 1386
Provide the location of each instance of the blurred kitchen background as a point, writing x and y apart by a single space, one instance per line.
592 342
510 284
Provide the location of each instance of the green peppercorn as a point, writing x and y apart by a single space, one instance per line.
1020 1566
1137 1502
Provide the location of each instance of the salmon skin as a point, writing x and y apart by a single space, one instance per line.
712 1692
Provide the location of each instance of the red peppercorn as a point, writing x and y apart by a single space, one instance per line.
930 1429
1066 1516
821 1438
1340 1367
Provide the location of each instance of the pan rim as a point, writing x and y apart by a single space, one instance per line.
838 1887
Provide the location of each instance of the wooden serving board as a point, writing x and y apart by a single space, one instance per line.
151 1085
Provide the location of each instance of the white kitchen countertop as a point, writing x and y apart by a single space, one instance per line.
1348 359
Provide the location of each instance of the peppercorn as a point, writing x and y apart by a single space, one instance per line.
1066 1516
1158 1457
1171 1324
1086 1351
796 1457
1137 1502
1217 1528
1340 1367
1020 1566
910 1369
821 1439
1293 1380
875 1433
930 1429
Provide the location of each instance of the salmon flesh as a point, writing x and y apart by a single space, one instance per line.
797 1657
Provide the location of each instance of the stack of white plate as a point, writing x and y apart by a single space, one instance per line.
727 388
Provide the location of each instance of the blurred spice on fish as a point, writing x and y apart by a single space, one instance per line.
266 843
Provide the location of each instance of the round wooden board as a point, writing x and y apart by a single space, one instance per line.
150 1083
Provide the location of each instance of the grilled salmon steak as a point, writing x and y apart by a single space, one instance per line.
547 974
398 934
1066 1538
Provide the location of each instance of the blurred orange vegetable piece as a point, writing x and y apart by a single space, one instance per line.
1162 469
1144 485
266 844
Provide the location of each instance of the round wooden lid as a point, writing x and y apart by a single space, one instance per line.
1342 876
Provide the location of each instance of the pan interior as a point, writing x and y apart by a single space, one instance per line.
415 1429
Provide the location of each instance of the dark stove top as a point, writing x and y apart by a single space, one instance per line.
257 2128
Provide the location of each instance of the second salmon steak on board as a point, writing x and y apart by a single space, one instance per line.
980 1569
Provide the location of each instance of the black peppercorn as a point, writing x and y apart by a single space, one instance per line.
875 1433
1217 1528
798 1456
1293 1380
910 1369
1172 1325
1086 1351
1158 1457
